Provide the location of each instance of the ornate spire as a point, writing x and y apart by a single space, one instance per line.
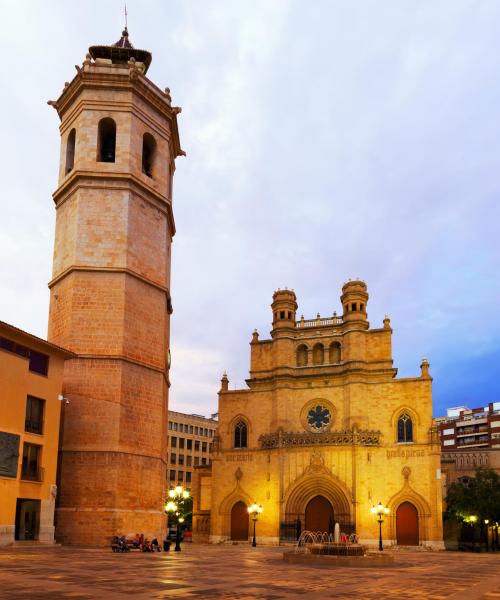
123 42
122 51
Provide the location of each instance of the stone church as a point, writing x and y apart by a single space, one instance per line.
323 432
110 301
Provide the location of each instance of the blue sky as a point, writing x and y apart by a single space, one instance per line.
325 141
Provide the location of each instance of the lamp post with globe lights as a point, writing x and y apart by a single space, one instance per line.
380 510
175 508
255 510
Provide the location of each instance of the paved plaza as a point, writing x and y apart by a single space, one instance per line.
240 573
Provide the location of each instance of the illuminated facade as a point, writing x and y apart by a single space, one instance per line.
323 432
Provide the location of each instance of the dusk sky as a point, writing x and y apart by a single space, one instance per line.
325 140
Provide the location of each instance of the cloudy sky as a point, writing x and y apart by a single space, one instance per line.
325 140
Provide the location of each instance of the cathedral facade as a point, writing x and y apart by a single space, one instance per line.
323 432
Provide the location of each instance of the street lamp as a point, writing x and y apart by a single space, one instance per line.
174 507
380 510
255 511
472 519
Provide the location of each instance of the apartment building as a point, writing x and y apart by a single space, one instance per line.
470 438
464 428
190 440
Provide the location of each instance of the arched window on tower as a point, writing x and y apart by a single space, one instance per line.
240 435
302 356
405 428
106 140
334 353
318 354
70 151
148 154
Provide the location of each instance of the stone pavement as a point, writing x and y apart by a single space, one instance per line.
239 573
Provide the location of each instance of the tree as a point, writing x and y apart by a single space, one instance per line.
479 496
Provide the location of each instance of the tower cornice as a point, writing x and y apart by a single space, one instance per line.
125 78
121 270
115 180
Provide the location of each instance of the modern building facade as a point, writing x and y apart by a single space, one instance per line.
470 438
190 440
469 429
31 374
323 432
110 297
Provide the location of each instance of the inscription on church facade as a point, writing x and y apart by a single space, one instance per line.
405 453
239 457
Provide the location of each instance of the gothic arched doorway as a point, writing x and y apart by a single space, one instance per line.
319 515
407 525
239 521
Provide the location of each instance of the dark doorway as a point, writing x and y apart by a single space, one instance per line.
407 524
239 521
27 519
319 515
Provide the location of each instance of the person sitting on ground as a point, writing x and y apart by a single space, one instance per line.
155 546
121 543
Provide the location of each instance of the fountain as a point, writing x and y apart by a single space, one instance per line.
319 548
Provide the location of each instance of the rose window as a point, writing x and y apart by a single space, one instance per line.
318 417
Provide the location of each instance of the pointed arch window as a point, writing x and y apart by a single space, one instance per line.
70 151
106 140
405 428
241 435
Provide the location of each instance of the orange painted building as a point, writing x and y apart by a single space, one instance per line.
31 372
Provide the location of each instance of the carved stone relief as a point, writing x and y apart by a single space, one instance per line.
9 454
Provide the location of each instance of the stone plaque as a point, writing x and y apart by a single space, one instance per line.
239 457
9 454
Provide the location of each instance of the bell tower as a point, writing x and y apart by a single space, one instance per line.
110 294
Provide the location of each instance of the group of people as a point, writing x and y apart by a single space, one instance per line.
138 542
145 545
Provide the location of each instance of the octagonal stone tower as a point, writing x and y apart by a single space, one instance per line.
110 294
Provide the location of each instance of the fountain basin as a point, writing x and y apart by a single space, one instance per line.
336 549
331 560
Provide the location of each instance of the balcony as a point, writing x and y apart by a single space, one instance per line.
319 322
472 420
466 431
32 473
32 426
473 442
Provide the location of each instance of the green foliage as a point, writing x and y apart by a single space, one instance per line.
188 513
480 497
184 510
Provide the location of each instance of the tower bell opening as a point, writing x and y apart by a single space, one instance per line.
106 145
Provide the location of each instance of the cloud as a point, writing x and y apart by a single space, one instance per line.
324 142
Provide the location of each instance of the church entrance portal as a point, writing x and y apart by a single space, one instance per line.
239 521
407 524
319 515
